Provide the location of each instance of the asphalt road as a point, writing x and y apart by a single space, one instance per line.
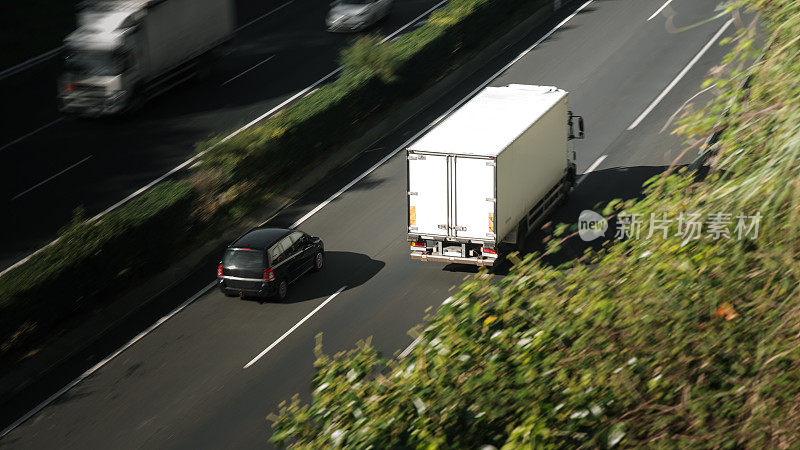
185 384
95 163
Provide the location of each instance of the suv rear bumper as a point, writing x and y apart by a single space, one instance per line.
262 289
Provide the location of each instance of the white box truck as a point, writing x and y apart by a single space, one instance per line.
489 173
127 51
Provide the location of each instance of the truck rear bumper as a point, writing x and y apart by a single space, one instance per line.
474 261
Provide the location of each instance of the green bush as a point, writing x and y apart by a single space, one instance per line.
91 259
651 342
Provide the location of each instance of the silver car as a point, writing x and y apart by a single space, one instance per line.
355 15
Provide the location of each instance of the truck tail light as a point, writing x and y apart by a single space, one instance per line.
488 251
219 270
68 88
269 275
491 222
412 215
417 246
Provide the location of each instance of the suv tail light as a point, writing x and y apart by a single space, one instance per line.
269 275
219 270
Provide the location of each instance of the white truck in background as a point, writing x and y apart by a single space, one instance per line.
489 173
125 52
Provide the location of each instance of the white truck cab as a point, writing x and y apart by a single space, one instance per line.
126 51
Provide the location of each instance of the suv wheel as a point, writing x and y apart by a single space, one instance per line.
283 288
319 261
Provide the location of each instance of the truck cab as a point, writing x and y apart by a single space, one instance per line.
127 51
101 64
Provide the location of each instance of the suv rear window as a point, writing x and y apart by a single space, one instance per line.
243 259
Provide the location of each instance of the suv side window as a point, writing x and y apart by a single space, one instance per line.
286 245
298 240
277 253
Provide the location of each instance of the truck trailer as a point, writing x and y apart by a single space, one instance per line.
125 52
489 173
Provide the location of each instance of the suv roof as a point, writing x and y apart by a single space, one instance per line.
260 238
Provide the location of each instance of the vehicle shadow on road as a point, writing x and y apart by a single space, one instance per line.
593 193
341 269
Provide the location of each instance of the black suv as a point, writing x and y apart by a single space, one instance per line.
264 261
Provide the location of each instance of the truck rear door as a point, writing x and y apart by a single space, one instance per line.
427 194
474 198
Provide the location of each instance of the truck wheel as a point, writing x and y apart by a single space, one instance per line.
522 236
564 194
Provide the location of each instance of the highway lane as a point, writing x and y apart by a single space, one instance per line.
96 163
184 385
30 94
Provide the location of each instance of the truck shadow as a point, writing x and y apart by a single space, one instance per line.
595 191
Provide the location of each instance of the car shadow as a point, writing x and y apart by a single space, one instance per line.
341 269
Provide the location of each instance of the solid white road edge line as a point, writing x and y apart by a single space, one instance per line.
297 325
191 160
432 124
659 10
594 165
680 75
248 70
45 181
108 358
31 133
264 15
410 347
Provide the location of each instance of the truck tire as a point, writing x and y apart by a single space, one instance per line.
522 236
565 188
